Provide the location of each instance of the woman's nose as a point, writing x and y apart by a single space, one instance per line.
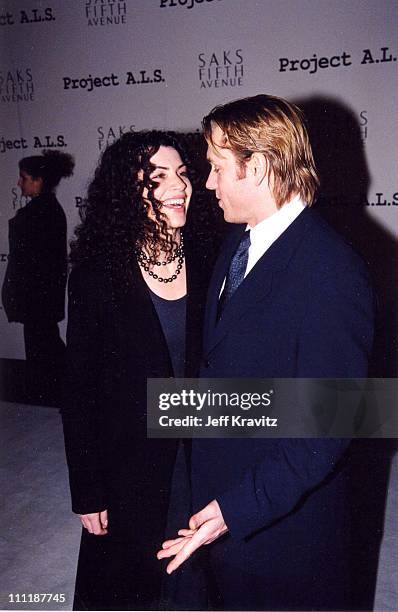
178 182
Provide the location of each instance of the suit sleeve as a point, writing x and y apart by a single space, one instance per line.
80 406
334 341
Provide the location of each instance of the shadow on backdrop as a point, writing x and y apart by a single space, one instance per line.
340 156
339 151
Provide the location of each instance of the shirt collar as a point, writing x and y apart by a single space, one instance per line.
272 227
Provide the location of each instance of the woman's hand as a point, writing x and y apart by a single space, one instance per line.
96 522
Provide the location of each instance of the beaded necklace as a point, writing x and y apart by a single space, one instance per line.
145 261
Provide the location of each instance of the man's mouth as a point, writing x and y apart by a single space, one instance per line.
177 204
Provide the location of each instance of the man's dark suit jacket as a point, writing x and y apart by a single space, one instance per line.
305 310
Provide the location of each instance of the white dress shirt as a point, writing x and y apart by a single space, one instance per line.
264 234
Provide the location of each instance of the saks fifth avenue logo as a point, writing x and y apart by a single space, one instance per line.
189 4
108 134
35 15
16 85
105 12
221 69
315 64
363 125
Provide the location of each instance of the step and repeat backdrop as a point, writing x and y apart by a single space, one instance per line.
75 75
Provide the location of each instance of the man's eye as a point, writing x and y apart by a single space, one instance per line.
184 173
158 176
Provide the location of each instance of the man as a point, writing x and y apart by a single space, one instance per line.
288 298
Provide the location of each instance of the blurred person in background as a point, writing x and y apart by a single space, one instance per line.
34 285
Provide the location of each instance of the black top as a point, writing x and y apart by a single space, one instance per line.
172 317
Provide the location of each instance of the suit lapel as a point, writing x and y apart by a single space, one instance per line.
256 286
219 273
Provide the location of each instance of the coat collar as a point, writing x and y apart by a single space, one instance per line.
196 286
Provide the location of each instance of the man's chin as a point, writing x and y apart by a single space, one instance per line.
231 219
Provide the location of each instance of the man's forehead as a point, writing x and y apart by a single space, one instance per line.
214 153
217 135
216 148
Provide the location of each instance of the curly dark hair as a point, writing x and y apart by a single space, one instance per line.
51 166
114 216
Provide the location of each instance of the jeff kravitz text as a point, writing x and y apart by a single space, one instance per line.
225 420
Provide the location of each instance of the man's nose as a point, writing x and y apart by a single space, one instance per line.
211 183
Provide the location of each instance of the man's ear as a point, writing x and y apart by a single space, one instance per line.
259 167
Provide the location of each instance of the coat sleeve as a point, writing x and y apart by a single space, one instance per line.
334 341
16 280
47 268
80 406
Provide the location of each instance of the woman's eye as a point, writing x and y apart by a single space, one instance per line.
158 176
184 173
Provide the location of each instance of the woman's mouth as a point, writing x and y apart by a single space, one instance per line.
177 204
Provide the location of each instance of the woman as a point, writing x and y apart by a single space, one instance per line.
134 278
35 280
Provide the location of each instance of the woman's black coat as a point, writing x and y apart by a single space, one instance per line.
114 343
35 279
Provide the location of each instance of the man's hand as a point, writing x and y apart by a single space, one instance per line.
95 523
204 527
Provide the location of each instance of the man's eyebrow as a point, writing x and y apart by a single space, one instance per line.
216 153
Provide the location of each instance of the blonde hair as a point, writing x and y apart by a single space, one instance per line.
272 126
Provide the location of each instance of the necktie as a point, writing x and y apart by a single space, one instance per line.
236 272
